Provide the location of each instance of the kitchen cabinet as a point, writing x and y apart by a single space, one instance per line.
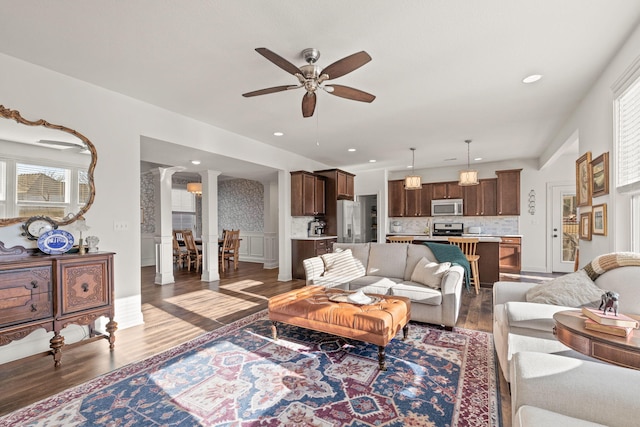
480 200
396 194
425 199
510 258
508 192
302 249
307 194
339 183
408 203
446 190
52 292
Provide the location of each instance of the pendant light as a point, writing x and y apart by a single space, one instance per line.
413 182
195 188
469 176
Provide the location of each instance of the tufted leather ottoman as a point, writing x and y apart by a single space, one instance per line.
311 308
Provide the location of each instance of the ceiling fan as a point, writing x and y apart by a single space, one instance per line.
311 77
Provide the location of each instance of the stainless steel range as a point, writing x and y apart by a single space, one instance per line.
447 229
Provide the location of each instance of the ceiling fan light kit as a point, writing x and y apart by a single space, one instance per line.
311 77
468 176
413 181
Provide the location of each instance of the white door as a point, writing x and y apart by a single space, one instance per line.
564 228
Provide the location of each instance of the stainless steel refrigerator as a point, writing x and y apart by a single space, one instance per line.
351 227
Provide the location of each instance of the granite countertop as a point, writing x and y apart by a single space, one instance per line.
314 237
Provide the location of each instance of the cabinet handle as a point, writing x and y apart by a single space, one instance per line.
85 287
34 307
34 284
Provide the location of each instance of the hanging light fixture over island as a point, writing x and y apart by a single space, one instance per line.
413 181
469 176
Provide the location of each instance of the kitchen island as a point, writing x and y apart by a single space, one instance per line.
488 250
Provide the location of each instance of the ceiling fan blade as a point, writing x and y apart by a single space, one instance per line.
278 60
308 104
269 90
346 65
350 93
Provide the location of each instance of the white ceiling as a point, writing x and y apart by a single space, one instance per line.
442 71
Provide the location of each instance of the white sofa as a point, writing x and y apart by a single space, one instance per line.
520 326
552 390
387 268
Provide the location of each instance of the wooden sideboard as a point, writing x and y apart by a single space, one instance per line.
54 291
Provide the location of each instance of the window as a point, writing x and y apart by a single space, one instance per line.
627 144
628 137
42 190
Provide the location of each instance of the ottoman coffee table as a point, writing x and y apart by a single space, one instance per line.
321 309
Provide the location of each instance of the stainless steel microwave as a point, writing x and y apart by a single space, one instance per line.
451 207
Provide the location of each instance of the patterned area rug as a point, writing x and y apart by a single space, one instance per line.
238 376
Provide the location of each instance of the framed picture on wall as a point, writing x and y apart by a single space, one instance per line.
599 213
600 174
585 226
583 180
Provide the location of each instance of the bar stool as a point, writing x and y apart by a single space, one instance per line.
400 239
468 247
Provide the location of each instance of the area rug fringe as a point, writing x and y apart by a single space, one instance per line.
326 381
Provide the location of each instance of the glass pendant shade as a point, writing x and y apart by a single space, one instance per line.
469 176
194 187
413 182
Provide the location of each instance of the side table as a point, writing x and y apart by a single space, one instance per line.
622 351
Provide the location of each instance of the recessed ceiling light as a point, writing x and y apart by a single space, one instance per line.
372 161
195 162
278 133
450 159
478 159
532 78
351 149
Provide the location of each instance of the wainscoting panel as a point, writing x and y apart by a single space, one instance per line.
147 250
252 247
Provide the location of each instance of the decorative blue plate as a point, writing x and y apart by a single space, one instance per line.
55 242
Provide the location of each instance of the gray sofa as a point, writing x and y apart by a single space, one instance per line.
387 268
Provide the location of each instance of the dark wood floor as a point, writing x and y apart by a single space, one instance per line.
174 314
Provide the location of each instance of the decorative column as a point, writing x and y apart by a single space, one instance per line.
210 255
163 235
270 224
284 225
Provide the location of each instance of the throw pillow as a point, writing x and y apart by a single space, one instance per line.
341 264
429 273
571 290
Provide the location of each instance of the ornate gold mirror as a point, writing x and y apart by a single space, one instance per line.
45 170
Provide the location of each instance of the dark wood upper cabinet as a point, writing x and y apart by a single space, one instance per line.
508 192
480 200
341 183
446 190
396 193
425 199
307 194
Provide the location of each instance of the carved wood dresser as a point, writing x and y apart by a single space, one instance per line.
52 292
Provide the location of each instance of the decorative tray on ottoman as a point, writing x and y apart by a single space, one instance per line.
359 298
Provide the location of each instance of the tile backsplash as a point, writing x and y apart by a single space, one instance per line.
498 225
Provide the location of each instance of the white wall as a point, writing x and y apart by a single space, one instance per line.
115 124
593 119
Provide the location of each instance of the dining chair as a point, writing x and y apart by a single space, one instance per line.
179 252
194 256
400 239
230 249
468 246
